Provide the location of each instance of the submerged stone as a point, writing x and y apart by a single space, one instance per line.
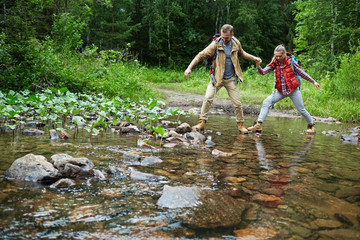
268 200
179 197
111 192
53 134
202 208
355 129
131 157
145 145
349 138
218 153
140 176
63 183
332 133
170 145
326 223
150 160
33 132
347 234
129 129
255 233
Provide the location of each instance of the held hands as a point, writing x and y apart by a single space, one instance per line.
258 62
316 85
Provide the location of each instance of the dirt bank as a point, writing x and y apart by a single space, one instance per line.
192 103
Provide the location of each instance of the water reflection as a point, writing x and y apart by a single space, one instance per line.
302 187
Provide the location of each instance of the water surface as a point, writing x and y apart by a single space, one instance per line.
316 177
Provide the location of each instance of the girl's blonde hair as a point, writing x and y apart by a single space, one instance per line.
279 48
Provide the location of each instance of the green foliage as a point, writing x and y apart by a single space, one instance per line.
54 106
347 77
67 31
37 66
326 30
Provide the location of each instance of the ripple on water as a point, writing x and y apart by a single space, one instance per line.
299 186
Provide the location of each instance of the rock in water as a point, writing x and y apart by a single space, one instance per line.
72 167
63 183
34 168
150 160
64 135
202 208
33 132
183 128
53 134
179 197
140 176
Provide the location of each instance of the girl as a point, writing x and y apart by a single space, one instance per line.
286 85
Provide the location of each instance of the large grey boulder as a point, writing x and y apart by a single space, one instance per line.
202 208
34 168
70 167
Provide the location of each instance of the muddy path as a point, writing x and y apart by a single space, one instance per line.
192 103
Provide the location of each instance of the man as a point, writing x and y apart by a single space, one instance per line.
227 69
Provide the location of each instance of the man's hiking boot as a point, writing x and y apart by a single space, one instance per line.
242 128
311 129
256 127
200 126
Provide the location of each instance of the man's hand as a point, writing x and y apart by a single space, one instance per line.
258 62
187 72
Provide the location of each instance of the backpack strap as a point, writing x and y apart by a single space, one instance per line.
212 69
293 58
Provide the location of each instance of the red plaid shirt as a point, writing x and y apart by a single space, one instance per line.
284 87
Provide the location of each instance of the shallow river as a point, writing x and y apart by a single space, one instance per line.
316 179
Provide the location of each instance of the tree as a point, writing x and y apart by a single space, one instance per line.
326 29
111 26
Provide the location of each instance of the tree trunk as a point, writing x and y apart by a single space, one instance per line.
149 14
227 13
66 5
168 28
334 15
5 17
149 35
357 12
217 21
112 30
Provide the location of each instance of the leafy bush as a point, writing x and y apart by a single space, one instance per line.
346 82
67 31
36 66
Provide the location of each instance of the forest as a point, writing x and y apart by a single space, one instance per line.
124 47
